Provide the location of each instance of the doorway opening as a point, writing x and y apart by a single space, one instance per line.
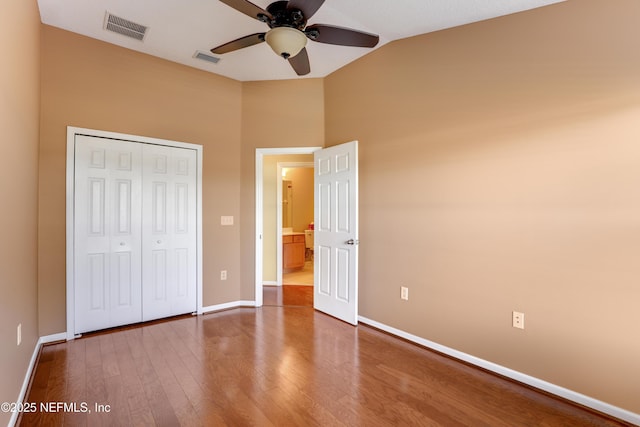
335 290
294 203
294 229
269 262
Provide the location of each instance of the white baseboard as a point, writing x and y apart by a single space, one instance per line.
32 365
587 401
228 305
62 336
269 283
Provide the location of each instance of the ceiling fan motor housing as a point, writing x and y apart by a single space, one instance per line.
283 17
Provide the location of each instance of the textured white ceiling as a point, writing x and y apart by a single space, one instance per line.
179 28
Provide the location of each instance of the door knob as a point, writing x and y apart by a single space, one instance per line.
121 243
159 241
352 242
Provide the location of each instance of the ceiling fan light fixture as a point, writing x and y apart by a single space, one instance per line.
286 41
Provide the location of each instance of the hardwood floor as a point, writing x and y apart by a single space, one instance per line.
289 295
277 366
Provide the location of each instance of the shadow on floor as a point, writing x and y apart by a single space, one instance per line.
288 295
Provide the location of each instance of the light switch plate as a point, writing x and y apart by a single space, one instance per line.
226 220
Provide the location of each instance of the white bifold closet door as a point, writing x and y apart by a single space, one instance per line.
134 232
168 231
107 233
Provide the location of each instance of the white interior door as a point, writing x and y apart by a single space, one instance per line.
107 257
336 231
135 255
168 231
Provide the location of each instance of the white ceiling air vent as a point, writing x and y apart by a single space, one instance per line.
206 57
124 27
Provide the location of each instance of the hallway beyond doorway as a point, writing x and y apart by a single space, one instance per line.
304 276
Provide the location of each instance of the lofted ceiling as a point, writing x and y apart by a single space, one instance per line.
179 29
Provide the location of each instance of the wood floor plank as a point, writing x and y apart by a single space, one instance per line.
206 407
279 366
162 361
108 353
76 374
56 386
97 394
157 399
39 384
137 404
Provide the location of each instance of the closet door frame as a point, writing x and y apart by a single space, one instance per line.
70 218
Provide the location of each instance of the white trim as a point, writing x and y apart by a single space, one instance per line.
279 167
70 288
574 396
71 134
278 224
269 283
62 336
199 244
30 369
260 153
228 305
25 382
258 261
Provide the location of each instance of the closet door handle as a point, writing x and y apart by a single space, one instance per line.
352 242
159 241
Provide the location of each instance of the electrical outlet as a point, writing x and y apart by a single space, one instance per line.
518 320
223 274
404 293
19 333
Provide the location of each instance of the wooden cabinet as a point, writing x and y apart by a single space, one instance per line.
293 251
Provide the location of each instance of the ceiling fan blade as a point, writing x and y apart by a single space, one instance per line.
308 7
248 8
300 63
240 43
341 36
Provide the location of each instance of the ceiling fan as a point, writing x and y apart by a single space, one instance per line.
288 32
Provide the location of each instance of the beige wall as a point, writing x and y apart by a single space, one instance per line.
19 121
269 212
91 84
498 172
285 113
302 182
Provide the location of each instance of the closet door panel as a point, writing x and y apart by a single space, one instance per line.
169 231
107 231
